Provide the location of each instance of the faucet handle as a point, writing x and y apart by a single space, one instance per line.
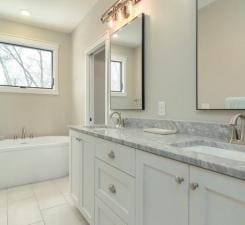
118 121
234 134
234 119
232 122
122 122
15 137
238 136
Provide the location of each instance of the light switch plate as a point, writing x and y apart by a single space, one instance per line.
161 108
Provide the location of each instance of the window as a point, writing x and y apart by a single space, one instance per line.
27 67
116 76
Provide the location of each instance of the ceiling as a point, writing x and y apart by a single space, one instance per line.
59 15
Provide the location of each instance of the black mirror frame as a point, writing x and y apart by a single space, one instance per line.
142 16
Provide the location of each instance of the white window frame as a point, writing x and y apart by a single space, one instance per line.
35 44
122 59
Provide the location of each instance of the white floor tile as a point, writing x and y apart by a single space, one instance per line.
3 219
63 215
3 207
24 212
48 195
63 185
3 199
40 223
21 205
69 199
19 193
3 216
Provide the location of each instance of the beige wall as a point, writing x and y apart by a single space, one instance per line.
99 88
170 60
221 52
86 33
40 114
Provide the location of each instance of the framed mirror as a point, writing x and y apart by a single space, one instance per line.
127 66
220 54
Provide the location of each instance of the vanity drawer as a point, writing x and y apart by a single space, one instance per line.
104 215
119 156
116 189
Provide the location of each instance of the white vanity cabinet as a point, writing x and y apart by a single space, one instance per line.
105 216
117 185
115 182
82 173
216 199
75 149
202 198
161 191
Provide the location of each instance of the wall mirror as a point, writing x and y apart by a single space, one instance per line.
221 54
127 66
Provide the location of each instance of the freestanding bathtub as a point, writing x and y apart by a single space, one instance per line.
25 161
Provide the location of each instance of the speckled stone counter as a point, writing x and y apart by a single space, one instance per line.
172 146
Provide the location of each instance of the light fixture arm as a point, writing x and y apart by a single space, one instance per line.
113 10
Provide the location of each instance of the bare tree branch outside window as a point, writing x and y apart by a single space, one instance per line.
23 66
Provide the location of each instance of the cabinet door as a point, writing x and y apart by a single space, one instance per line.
216 199
105 216
86 203
116 189
75 149
162 191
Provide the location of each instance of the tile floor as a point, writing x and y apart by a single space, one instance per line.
46 203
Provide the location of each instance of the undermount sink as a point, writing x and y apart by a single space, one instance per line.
160 131
226 151
218 152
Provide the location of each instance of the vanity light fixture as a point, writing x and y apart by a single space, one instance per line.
111 22
25 12
130 7
115 36
120 14
121 9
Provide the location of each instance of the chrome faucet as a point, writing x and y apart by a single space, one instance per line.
15 137
120 122
238 137
23 133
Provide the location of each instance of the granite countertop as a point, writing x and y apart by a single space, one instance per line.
173 147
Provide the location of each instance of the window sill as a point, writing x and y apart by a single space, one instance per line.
29 91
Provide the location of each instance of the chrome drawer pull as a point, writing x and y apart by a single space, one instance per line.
111 155
112 189
78 139
194 186
179 180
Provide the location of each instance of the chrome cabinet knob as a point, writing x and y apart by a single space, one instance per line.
79 139
112 189
194 186
111 155
179 180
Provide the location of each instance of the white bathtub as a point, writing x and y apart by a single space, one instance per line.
25 161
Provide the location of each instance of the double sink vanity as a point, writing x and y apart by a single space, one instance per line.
125 176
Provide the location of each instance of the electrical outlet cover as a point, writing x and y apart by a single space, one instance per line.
161 108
